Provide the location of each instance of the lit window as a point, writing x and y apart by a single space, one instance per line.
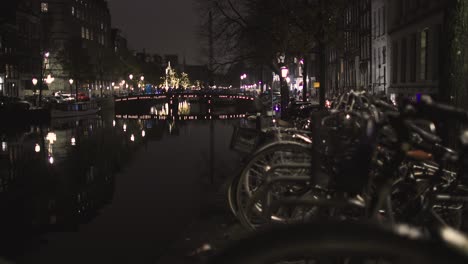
83 32
44 7
423 61
73 10
87 33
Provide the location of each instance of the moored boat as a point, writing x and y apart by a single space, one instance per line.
75 109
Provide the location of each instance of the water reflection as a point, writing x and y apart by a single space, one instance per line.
60 176
55 178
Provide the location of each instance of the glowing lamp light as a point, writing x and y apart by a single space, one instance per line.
132 138
73 141
113 123
51 160
113 84
71 81
125 127
37 148
34 81
47 54
49 79
4 146
130 76
51 137
142 78
284 72
143 133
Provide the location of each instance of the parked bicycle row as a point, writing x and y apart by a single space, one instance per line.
366 182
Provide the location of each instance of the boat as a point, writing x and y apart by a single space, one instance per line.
75 109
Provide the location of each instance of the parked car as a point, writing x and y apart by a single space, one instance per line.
68 98
83 97
64 97
13 103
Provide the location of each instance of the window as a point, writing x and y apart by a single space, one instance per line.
73 11
395 62
87 33
378 22
403 60
412 58
423 55
384 19
374 26
374 60
44 7
83 32
384 55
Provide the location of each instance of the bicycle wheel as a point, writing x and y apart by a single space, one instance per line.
231 195
254 173
339 242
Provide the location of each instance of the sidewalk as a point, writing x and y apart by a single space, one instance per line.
212 232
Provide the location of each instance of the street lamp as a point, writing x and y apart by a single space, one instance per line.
243 77
284 72
44 62
142 78
130 76
71 88
34 82
49 79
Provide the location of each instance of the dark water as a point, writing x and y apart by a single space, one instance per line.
106 190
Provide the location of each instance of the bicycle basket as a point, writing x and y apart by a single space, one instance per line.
348 150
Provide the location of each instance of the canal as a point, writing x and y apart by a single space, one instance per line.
108 189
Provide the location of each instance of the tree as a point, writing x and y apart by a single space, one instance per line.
184 80
76 61
454 61
256 31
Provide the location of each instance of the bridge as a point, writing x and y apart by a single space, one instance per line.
207 103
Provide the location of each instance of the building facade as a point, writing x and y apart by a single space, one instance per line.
414 32
79 30
380 52
357 55
19 46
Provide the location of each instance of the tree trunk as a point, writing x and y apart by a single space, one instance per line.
454 61
322 75
76 90
284 97
305 88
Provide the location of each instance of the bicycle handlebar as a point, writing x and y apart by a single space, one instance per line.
431 108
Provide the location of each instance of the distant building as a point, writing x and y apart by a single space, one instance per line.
198 73
19 46
173 58
414 35
357 45
84 21
120 43
380 51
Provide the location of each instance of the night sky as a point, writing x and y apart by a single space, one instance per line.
160 26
